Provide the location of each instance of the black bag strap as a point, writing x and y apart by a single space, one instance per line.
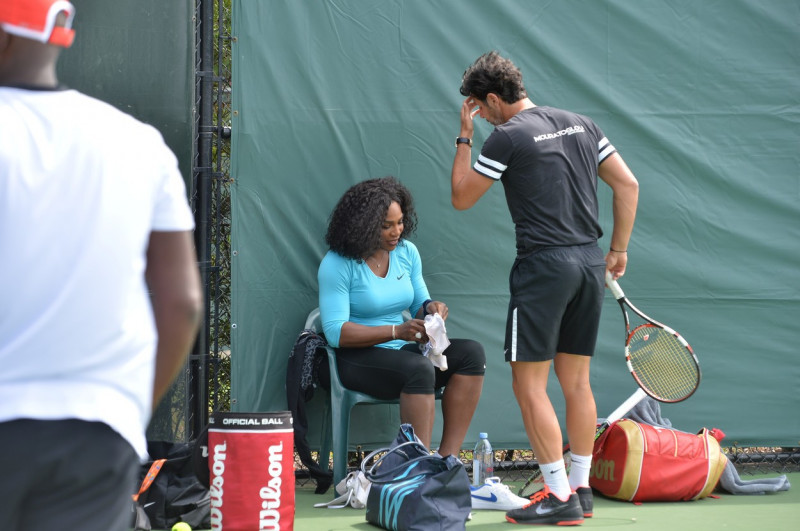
389 474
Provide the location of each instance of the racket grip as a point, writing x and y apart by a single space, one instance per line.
626 406
613 286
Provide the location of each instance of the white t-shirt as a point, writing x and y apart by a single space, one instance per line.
82 186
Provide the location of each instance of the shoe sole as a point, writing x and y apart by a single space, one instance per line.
557 522
496 508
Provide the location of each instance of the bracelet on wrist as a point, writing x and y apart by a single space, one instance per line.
393 335
616 251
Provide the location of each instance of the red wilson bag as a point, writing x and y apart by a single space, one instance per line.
638 462
251 466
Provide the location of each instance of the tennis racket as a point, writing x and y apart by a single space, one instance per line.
659 359
661 362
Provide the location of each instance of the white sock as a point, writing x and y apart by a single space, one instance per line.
555 477
579 471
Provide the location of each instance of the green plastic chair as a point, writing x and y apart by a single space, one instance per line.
336 426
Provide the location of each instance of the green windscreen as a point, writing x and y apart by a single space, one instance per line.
702 100
138 56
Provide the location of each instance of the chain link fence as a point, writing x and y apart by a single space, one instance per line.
213 82
220 364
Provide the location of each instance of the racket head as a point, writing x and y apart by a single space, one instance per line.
662 363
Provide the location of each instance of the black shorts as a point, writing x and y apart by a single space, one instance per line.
385 373
65 474
556 299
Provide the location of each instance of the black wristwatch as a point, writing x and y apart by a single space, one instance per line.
463 140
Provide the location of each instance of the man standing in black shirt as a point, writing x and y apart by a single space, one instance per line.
548 160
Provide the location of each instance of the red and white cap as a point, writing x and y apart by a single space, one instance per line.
36 20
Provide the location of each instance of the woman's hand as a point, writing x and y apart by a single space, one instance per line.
412 330
437 307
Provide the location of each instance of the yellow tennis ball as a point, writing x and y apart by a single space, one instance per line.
181 526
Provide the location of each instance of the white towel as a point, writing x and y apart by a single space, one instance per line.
437 341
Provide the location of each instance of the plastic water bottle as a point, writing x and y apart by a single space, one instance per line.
482 460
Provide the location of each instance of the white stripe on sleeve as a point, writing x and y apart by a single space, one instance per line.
489 168
604 149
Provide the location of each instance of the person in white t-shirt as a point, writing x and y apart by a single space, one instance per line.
101 290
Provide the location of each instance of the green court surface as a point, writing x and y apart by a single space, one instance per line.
779 511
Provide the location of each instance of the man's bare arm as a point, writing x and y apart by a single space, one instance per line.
466 185
619 177
174 281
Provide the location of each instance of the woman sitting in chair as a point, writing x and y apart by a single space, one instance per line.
370 275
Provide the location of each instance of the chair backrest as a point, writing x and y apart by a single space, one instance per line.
313 322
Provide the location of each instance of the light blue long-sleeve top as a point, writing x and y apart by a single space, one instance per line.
350 291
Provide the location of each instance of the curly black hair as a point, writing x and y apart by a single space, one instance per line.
354 227
491 73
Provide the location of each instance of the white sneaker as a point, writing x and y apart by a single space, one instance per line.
494 495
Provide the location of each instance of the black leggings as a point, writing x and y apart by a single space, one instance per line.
385 373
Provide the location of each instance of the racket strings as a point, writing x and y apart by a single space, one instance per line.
663 364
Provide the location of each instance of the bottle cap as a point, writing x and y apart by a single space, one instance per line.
483 435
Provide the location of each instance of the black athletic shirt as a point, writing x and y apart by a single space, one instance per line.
547 160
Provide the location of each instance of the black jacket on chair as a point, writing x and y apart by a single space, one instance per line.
304 373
